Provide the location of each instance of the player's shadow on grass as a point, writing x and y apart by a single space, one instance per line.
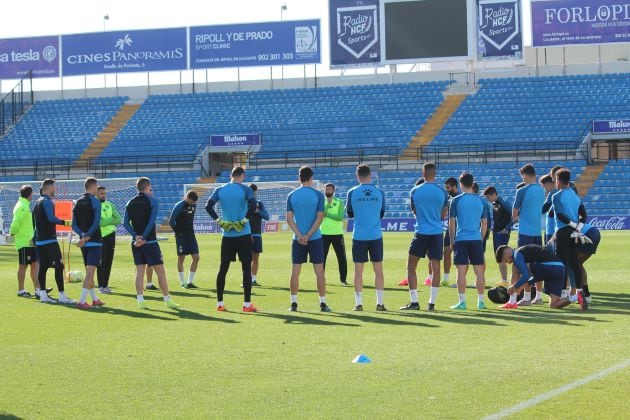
110 310
185 314
539 317
6 416
448 317
304 318
384 318
158 295
619 302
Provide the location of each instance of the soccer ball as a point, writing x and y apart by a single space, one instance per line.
74 277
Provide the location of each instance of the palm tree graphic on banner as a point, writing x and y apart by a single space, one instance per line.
126 40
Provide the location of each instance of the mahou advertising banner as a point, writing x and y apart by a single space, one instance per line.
354 33
577 22
500 32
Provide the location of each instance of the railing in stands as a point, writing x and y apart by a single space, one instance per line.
99 167
506 152
15 103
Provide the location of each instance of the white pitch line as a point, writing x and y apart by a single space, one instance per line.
555 392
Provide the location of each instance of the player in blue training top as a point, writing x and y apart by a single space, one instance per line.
569 213
366 204
501 226
139 220
467 225
86 222
258 216
182 222
550 189
46 244
429 203
527 212
237 206
450 185
305 212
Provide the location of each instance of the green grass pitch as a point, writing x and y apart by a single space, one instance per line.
119 362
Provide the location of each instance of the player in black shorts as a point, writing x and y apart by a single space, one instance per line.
182 222
86 222
140 214
48 250
257 242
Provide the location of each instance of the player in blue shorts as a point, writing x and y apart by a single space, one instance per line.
139 220
585 251
429 203
86 222
258 216
533 263
182 222
467 226
237 205
550 189
305 212
501 226
527 211
569 212
450 185
366 204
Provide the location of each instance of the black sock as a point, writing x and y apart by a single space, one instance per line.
585 289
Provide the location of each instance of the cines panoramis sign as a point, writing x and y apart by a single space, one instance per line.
575 22
125 51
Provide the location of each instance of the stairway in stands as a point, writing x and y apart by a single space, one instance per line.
106 136
588 177
434 125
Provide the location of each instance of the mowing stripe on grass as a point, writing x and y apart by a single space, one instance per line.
555 392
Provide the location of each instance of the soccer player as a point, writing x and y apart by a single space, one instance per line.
110 218
46 244
305 212
366 204
22 229
467 225
332 231
257 243
550 189
450 185
86 222
182 222
527 212
585 251
534 263
502 223
568 211
238 205
429 203
140 214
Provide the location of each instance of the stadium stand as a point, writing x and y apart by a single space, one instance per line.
335 118
58 129
536 111
609 195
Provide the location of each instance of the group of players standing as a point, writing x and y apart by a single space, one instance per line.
469 223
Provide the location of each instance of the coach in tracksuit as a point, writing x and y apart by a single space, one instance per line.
110 218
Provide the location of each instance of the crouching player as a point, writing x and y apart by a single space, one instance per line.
585 250
535 263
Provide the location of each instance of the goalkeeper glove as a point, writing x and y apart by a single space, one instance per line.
238 226
225 225
67 222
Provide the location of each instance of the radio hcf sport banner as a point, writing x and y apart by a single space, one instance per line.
255 44
354 33
575 22
20 55
124 51
500 32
